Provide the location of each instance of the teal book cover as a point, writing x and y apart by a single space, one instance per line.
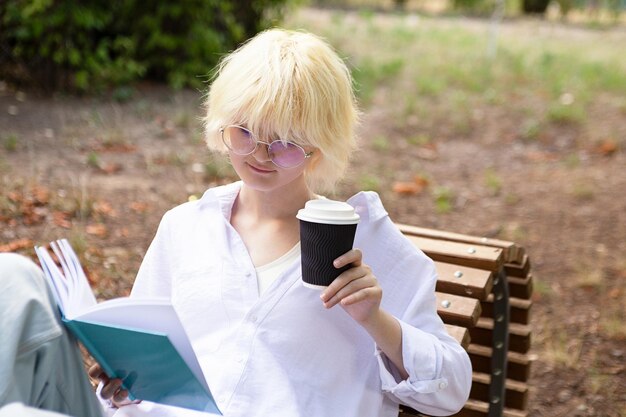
148 364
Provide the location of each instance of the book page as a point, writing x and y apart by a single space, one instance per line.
69 284
81 296
58 283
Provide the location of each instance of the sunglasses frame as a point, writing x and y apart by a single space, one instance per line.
267 144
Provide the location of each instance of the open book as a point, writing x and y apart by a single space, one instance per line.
139 340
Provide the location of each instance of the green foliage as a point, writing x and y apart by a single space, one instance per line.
443 199
10 142
369 73
479 7
493 182
87 45
93 160
369 182
535 6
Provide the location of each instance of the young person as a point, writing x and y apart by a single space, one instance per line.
282 108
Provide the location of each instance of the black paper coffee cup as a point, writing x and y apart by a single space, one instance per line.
327 230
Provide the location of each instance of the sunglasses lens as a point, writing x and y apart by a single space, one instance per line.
239 140
286 155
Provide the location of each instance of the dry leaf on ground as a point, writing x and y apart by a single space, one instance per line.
104 208
111 168
607 147
62 219
98 229
401 187
139 206
15 245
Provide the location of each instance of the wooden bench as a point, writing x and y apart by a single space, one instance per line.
484 298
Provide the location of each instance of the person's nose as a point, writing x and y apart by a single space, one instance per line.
262 154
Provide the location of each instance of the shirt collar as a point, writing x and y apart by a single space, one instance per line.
221 198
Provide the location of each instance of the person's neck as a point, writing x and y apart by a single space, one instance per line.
276 204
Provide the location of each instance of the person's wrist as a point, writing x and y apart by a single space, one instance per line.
373 320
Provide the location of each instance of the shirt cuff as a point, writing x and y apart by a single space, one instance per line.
420 359
107 405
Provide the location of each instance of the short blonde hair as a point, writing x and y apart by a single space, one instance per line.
291 85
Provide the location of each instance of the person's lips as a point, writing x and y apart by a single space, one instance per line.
260 169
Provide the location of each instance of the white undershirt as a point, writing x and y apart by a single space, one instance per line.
268 273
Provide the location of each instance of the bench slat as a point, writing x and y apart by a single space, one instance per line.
474 408
475 256
460 311
519 309
511 251
518 364
520 287
472 282
516 392
518 269
460 334
519 335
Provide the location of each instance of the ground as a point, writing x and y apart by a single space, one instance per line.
102 172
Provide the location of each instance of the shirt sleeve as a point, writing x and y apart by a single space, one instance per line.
439 368
440 372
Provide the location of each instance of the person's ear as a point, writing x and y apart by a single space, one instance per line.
314 160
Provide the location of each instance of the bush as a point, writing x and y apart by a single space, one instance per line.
474 7
535 6
87 45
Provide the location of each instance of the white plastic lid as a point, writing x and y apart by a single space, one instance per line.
328 211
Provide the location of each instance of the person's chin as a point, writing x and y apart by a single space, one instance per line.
262 181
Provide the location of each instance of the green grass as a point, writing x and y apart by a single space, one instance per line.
537 76
369 182
9 142
381 143
93 160
369 73
444 199
493 182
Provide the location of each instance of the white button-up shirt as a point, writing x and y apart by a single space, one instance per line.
282 353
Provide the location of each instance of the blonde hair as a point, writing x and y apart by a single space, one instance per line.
291 85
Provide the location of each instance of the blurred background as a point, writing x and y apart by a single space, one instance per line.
496 118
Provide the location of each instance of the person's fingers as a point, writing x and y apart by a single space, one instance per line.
353 256
352 286
352 274
361 295
121 396
95 371
109 389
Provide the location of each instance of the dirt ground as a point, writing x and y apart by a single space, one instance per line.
102 173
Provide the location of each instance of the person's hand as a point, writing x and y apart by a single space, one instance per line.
111 388
356 289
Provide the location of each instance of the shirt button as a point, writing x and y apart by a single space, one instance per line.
253 318
443 385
